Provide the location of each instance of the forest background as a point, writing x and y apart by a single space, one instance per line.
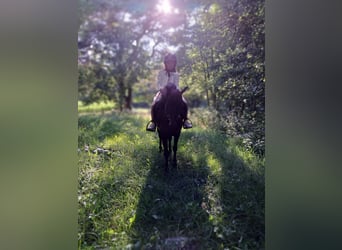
220 51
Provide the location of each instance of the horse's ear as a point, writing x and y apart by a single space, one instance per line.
185 89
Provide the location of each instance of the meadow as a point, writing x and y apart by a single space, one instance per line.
213 199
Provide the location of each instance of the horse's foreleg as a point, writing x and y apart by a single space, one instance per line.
166 154
170 140
175 143
160 145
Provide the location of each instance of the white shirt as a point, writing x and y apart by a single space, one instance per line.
163 79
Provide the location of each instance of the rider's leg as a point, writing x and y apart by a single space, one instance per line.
151 126
187 123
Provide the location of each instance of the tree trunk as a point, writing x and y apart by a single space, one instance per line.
213 98
128 99
121 95
208 99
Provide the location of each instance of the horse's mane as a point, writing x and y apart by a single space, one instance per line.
172 107
173 102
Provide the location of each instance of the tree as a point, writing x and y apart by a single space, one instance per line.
105 43
226 53
220 47
123 41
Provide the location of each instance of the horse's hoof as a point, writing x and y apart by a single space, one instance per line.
174 162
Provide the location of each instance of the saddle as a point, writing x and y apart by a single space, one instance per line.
164 96
167 90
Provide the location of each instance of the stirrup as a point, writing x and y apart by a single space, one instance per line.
150 129
186 127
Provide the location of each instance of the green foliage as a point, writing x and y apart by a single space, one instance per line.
110 45
118 39
213 200
220 51
225 65
95 84
95 107
247 132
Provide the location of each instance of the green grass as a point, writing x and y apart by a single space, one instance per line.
214 199
95 107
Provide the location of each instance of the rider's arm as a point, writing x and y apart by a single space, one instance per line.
161 80
176 80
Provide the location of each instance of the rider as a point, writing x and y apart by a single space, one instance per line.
167 76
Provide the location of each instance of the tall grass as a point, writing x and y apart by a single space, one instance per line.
95 107
214 199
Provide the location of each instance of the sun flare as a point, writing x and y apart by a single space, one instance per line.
164 6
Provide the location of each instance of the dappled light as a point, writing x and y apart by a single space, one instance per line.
211 198
214 197
165 7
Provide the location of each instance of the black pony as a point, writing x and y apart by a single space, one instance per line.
170 113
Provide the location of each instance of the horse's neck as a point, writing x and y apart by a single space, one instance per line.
173 102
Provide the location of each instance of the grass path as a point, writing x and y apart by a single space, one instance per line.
214 199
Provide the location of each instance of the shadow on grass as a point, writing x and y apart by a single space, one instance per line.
107 183
170 213
239 204
212 200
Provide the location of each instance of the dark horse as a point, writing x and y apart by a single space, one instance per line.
170 112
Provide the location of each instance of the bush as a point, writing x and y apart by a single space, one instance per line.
248 129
